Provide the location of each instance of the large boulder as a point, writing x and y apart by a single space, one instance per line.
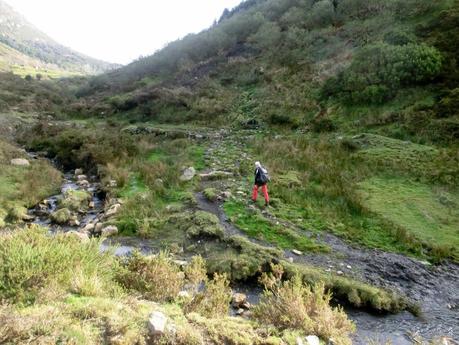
157 322
188 174
21 162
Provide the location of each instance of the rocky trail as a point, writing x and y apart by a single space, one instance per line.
434 288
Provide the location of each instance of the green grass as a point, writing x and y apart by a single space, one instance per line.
134 186
23 187
256 226
429 213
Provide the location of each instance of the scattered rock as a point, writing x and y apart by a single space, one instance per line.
88 227
184 294
78 172
157 322
83 183
98 228
349 267
290 260
188 174
73 221
81 177
91 204
226 194
20 162
240 311
238 299
312 340
340 273
84 238
297 252
215 175
109 231
113 210
299 341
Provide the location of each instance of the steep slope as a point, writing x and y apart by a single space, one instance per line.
303 63
25 49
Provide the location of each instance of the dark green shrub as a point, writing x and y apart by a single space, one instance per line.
377 72
399 37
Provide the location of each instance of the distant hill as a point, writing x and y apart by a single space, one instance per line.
26 50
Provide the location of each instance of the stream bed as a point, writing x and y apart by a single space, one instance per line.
435 288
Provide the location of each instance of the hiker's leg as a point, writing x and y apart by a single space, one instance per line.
264 189
255 193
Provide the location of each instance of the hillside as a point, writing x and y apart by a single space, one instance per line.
351 105
26 50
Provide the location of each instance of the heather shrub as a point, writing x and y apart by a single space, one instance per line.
213 300
156 278
293 305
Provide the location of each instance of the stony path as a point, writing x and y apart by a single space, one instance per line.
435 288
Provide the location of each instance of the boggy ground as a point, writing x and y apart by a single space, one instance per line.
157 205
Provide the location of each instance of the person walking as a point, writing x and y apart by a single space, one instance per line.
261 180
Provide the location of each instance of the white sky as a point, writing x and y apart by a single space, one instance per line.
120 30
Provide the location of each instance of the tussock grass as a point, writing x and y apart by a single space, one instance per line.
37 265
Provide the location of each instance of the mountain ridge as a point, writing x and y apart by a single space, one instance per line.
36 52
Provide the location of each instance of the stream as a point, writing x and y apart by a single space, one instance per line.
435 288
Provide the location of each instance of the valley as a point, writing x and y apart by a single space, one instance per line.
125 198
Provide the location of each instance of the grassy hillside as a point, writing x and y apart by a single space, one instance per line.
25 50
366 89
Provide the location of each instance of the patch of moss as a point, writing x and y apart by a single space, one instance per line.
61 216
75 200
256 226
241 259
16 213
210 194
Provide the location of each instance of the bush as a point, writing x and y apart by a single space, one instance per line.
156 278
35 264
214 300
377 72
293 305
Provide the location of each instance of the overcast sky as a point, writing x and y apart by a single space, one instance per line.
120 30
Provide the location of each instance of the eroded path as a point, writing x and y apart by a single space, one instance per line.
434 288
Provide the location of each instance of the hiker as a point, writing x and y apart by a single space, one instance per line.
261 179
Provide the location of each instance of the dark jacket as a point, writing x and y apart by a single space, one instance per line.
258 177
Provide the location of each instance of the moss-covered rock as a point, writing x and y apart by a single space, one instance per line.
61 216
242 260
198 225
75 200
210 194
17 214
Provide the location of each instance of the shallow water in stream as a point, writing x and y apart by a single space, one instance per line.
436 289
